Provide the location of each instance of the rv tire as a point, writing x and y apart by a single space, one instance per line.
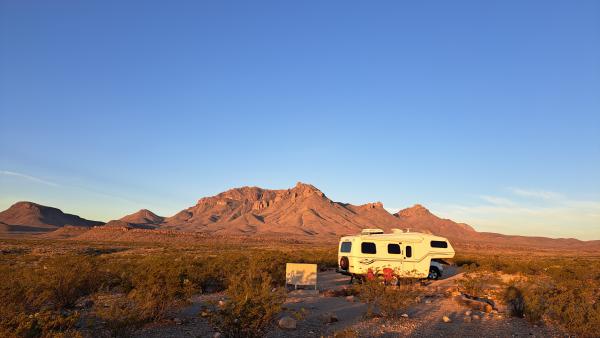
434 273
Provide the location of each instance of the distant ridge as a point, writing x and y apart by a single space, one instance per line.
302 213
33 217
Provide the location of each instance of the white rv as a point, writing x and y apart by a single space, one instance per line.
400 253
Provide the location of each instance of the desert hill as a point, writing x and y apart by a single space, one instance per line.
143 216
419 218
28 216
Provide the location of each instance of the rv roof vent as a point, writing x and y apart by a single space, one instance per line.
371 232
400 231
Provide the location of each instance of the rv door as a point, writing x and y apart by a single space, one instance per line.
408 264
394 252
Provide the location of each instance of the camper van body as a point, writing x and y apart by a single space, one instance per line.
407 254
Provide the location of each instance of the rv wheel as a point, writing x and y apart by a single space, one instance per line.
434 273
344 263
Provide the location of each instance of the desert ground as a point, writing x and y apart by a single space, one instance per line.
329 312
74 288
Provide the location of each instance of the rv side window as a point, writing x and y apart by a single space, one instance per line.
346 247
409 251
394 249
439 244
368 248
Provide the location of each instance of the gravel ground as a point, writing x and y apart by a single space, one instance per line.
424 319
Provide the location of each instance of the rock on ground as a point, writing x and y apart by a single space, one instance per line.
287 323
329 317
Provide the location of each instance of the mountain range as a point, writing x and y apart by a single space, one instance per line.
300 212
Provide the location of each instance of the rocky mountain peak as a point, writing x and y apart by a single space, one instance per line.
373 205
414 211
236 194
305 189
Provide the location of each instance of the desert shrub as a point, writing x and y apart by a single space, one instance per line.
60 281
122 317
59 324
391 301
370 292
211 273
251 306
324 258
515 302
528 298
395 300
572 305
495 263
472 285
464 261
478 284
148 288
158 285
41 324
346 333
273 263
561 290
33 298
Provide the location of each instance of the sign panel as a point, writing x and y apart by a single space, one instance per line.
298 274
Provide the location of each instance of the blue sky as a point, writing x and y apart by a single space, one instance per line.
487 113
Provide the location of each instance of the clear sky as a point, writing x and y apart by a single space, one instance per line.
485 112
